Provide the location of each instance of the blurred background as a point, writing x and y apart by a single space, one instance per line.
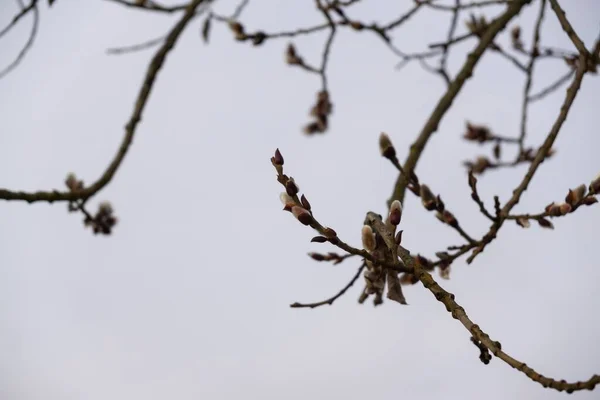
190 295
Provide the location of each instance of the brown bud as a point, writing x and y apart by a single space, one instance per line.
427 198
278 158
329 233
305 202
588 201
395 215
236 27
318 239
477 133
515 32
544 223
317 256
302 215
258 38
291 56
357 25
291 188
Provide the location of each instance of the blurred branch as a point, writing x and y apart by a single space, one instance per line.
330 300
446 101
32 7
130 129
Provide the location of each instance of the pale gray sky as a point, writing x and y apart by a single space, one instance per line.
190 297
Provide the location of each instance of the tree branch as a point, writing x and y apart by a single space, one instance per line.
155 65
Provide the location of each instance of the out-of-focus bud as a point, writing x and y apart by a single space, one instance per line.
318 239
368 238
395 213
544 223
356 25
302 215
386 147
238 30
287 201
477 133
105 208
575 195
316 256
588 201
291 57
595 185
73 183
258 38
427 198
480 165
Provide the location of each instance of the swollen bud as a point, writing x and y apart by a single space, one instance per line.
302 215
427 198
368 238
386 147
287 201
395 213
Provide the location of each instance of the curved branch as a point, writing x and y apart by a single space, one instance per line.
330 300
142 99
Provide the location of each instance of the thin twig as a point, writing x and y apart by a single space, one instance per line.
28 44
540 156
136 47
529 72
446 101
330 300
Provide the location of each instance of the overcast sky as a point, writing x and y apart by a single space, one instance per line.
189 298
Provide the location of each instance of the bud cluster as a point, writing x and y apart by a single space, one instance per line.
320 111
103 221
299 207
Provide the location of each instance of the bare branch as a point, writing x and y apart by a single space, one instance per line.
130 129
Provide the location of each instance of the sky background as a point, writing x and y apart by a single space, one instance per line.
189 298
